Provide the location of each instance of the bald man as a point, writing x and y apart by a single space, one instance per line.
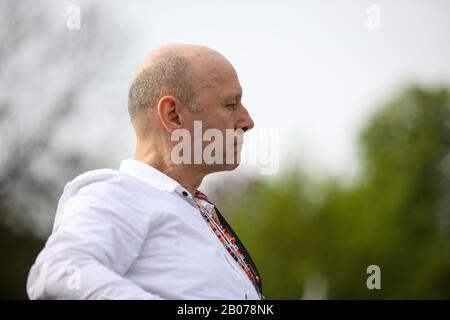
145 231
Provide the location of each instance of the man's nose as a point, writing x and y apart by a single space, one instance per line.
247 121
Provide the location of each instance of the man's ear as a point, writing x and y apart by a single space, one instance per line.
169 109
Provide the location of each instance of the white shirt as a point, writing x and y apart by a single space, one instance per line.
134 233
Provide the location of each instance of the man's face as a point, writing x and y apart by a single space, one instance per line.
219 95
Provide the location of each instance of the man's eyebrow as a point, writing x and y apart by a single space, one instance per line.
236 96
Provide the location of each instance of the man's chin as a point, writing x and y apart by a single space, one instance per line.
222 167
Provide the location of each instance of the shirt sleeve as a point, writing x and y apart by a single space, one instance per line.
90 250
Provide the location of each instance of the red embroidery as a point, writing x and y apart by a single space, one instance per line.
225 238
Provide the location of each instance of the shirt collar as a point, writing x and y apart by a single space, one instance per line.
150 175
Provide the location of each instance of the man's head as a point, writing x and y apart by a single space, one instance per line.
176 85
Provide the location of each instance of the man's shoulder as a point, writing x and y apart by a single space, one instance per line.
102 188
91 180
110 185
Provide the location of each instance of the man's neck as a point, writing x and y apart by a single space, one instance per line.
189 180
188 176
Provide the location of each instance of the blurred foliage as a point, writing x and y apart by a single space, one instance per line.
17 253
45 72
395 216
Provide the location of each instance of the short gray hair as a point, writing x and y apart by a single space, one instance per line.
167 75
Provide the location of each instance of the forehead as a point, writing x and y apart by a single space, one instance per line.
213 72
225 90
227 87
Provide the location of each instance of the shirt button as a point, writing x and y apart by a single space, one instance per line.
185 193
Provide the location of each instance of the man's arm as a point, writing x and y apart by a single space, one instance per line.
89 252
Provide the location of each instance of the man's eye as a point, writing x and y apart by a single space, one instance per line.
231 106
